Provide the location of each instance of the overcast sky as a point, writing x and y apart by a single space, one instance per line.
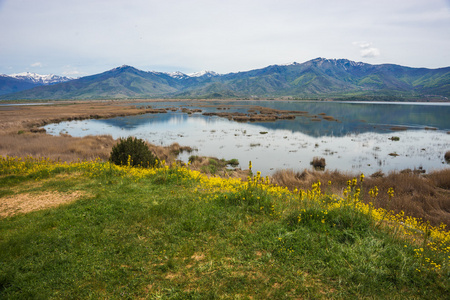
83 37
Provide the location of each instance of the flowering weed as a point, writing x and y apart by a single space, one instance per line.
171 232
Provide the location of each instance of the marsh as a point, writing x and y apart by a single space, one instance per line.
351 136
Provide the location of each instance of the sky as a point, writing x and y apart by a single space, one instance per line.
83 37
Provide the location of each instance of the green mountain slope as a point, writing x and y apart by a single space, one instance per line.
317 78
11 85
122 82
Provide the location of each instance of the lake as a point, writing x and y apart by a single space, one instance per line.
360 139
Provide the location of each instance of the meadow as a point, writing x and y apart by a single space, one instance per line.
122 232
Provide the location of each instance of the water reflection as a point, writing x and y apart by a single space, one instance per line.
348 145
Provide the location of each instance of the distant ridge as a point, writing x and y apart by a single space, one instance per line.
40 79
24 81
319 78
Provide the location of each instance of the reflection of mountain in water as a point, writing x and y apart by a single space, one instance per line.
316 129
353 118
170 119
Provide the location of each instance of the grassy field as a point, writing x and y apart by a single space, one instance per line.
95 230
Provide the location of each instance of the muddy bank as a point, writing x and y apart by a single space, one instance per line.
21 136
24 117
264 114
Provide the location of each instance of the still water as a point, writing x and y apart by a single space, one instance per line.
359 141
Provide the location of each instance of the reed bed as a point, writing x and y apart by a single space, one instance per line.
63 147
421 196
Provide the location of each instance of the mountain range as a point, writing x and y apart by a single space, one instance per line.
25 81
319 78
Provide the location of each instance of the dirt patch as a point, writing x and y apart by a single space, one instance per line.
198 256
25 203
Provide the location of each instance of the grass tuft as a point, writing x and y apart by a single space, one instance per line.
318 163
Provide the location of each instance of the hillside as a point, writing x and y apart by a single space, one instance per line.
318 78
100 231
10 85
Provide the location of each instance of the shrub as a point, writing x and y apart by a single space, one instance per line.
447 156
233 162
132 151
193 158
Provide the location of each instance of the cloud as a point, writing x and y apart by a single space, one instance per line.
370 52
37 65
366 50
70 71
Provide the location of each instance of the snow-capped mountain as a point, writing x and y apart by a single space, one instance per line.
318 78
177 75
180 75
40 79
204 73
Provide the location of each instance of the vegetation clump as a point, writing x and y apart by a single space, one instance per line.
133 152
318 163
447 156
211 165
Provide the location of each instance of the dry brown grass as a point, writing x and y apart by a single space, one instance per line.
420 196
398 128
168 153
68 148
24 118
305 179
219 167
440 179
63 148
258 114
329 118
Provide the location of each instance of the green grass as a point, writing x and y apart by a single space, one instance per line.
174 234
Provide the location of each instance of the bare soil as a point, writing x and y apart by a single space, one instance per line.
24 203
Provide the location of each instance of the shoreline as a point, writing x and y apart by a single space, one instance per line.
26 119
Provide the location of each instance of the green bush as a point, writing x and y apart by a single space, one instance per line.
133 151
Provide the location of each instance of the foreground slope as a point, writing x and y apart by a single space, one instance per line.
173 233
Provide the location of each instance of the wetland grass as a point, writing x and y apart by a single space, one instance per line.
425 197
329 118
318 163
